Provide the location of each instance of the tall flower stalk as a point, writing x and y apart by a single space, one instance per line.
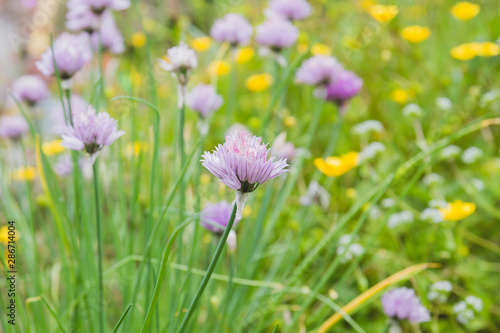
242 164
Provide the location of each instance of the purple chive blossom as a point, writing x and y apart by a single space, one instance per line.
289 9
71 53
29 4
215 216
111 37
346 86
282 149
318 71
81 18
13 127
99 6
91 131
64 166
276 34
30 89
232 28
180 61
402 303
204 100
242 164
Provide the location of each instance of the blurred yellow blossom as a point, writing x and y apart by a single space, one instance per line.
367 4
321 49
468 51
465 10
218 68
290 121
415 33
488 49
247 211
337 166
164 90
138 40
148 24
27 173
52 147
201 44
4 235
458 210
135 78
205 179
259 82
302 47
400 96
244 55
136 148
383 13
351 193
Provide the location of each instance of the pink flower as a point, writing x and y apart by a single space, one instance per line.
91 131
30 89
232 28
241 162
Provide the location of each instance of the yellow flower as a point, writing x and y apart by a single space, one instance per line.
383 13
464 51
400 96
218 68
52 147
259 82
337 166
244 55
367 4
4 235
458 210
321 49
136 148
351 193
201 44
302 47
205 179
415 33
28 173
138 40
465 10
290 121
247 211
135 78
488 49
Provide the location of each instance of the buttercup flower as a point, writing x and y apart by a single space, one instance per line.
24 174
259 82
180 61
204 100
109 35
91 131
244 55
336 166
457 210
321 49
138 40
30 89
218 68
402 303
318 71
382 13
488 49
71 53
232 28
289 9
52 147
415 33
242 163
465 10
276 34
346 86
13 127
400 96
201 44
464 52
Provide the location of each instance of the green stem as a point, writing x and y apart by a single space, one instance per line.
211 268
100 307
